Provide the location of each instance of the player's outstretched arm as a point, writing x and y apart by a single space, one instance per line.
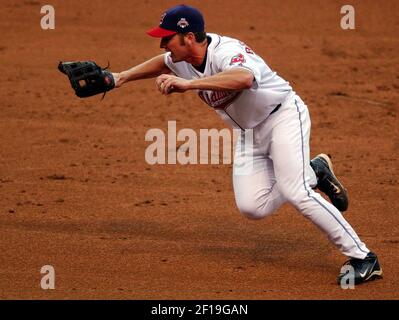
148 69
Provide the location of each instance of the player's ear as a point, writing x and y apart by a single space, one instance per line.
190 38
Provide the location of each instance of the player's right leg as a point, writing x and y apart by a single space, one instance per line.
255 187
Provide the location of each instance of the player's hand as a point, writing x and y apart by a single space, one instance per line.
168 84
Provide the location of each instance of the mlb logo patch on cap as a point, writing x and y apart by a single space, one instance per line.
183 23
179 19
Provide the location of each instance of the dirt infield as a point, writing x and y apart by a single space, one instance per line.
77 193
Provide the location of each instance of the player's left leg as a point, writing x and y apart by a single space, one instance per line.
328 183
295 178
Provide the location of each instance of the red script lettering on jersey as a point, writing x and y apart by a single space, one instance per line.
219 99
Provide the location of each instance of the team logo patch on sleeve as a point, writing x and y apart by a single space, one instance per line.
238 59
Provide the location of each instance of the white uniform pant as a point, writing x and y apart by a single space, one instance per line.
275 168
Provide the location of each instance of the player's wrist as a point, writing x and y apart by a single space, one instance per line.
122 78
191 85
117 79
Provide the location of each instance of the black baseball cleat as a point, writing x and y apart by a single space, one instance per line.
328 183
365 269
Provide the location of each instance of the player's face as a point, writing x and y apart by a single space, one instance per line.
175 44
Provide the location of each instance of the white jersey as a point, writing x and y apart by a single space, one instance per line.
241 109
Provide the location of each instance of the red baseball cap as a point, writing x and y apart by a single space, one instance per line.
179 19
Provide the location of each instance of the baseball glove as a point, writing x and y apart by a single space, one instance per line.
87 78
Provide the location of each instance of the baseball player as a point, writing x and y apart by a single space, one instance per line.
237 83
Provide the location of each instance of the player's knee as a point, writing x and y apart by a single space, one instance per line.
252 210
252 214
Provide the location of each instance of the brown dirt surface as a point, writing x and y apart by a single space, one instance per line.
77 193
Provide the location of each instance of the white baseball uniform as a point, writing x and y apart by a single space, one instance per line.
275 168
